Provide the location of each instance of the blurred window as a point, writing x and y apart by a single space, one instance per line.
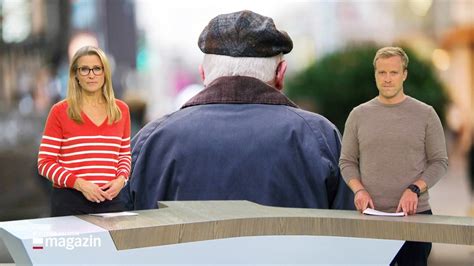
83 14
16 24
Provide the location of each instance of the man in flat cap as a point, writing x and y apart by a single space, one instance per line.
240 138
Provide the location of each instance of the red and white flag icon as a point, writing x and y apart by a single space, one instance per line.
37 243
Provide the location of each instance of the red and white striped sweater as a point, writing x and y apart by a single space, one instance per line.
70 150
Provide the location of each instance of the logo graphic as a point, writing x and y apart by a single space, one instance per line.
37 243
67 242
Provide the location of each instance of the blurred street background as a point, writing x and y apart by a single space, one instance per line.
154 53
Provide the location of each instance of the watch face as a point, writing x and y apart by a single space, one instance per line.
415 189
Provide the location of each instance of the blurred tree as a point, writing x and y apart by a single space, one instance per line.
340 81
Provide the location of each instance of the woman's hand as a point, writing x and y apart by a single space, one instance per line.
91 191
112 188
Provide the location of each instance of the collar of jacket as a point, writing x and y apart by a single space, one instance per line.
239 90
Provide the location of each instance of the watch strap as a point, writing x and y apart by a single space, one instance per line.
415 189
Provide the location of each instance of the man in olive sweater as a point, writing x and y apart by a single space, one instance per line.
393 150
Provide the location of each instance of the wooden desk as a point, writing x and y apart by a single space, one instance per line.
222 232
189 221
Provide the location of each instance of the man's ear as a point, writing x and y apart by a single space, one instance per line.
201 72
280 74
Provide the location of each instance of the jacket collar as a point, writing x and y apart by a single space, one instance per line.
239 90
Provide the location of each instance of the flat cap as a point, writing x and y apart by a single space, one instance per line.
244 34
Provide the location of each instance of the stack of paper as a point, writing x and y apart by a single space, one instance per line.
114 214
370 211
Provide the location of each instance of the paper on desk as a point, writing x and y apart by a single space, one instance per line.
370 211
114 214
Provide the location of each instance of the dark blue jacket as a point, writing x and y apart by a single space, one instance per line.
239 139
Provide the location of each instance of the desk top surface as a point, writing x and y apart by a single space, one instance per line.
188 221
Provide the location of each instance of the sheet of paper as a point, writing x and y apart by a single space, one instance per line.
370 211
114 214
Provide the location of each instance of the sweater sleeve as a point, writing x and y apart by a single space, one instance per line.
125 160
435 148
49 163
349 160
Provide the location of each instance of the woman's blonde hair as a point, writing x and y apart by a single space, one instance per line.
74 91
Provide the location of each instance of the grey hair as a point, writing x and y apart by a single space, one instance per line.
262 68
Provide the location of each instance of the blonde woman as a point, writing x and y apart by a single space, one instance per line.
85 150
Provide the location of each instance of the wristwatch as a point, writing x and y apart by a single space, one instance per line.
415 189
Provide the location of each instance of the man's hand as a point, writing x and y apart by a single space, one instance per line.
363 200
408 202
112 188
91 191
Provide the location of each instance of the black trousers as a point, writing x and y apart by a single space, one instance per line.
65 201
413 253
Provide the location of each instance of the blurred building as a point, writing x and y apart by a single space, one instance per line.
31 45
455 61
